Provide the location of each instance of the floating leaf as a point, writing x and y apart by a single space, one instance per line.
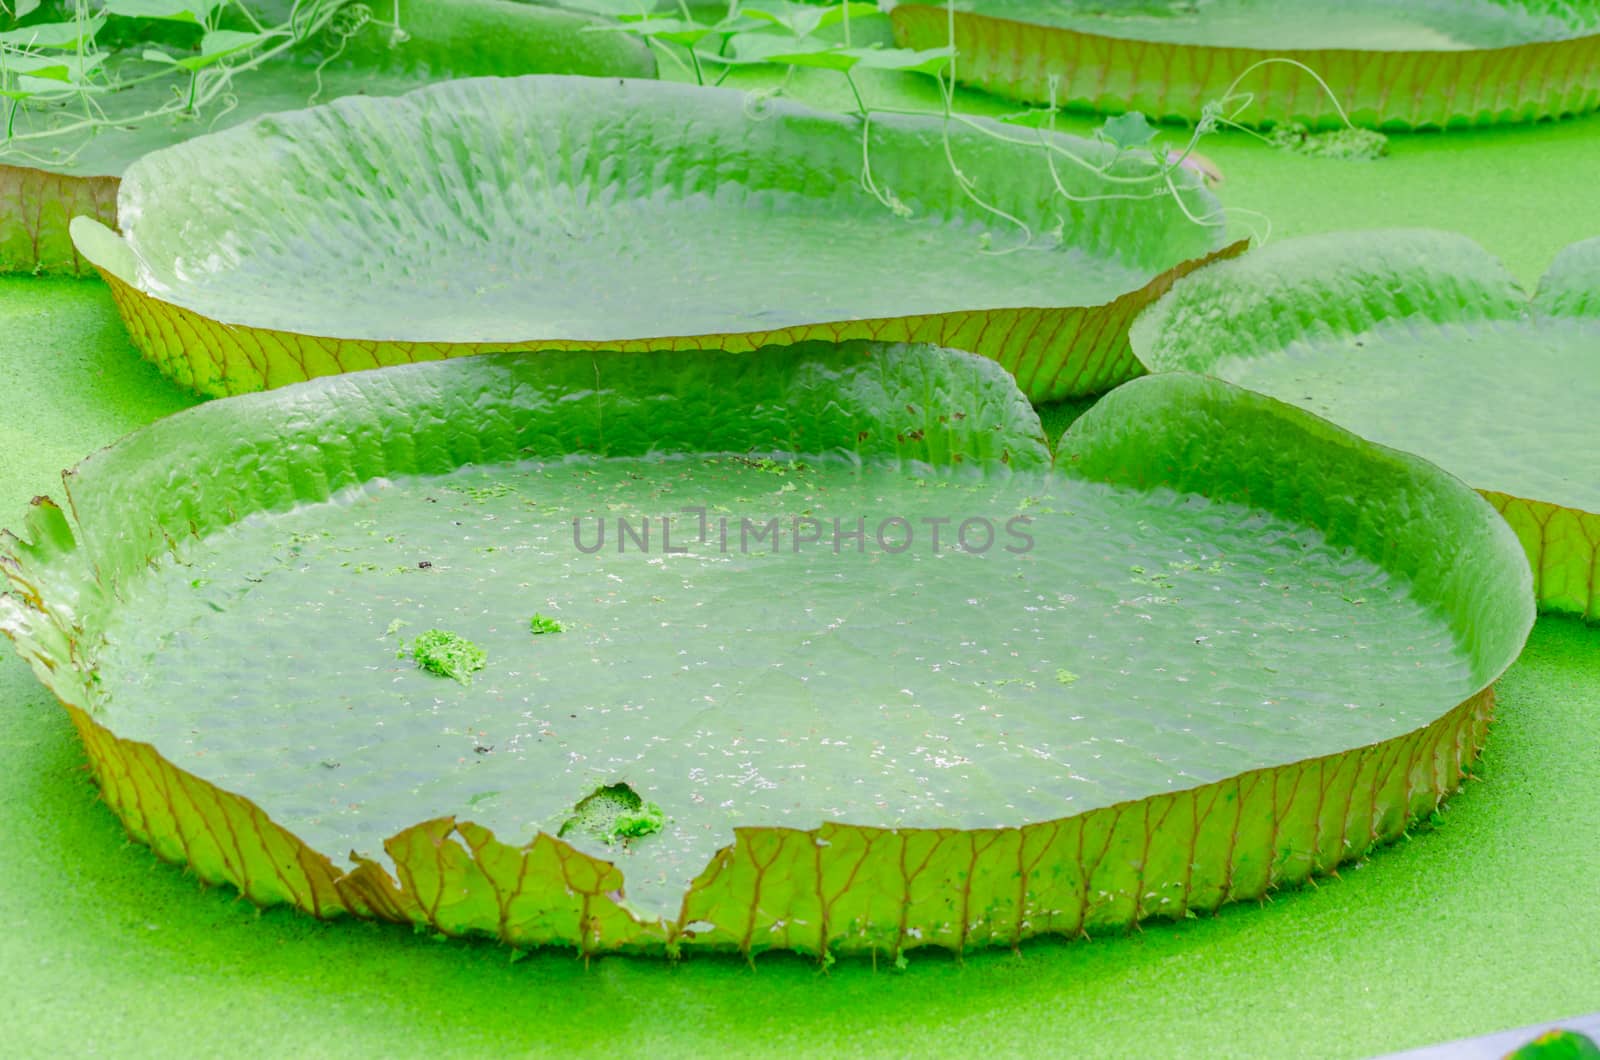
1385 65
889 790
771 245
1421 340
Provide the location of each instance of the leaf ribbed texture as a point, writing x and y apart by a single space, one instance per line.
632 215
1422 340
836 888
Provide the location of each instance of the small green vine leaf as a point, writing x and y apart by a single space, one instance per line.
1127 131
66 36
173 10
675 30
803 20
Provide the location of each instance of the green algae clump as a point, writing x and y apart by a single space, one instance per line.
1349 144
541 624
615 812
632 824
447 654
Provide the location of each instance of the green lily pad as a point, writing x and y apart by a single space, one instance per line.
1422 341
50 177
1215 647
574 212
1429 64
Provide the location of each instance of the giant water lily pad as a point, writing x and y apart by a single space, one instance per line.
59 167
1388 63
1215 647
549 212
1422 340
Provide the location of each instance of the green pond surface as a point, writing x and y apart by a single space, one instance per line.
1369 25
1060 648
1470 927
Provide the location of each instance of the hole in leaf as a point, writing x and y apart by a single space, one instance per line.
615 813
